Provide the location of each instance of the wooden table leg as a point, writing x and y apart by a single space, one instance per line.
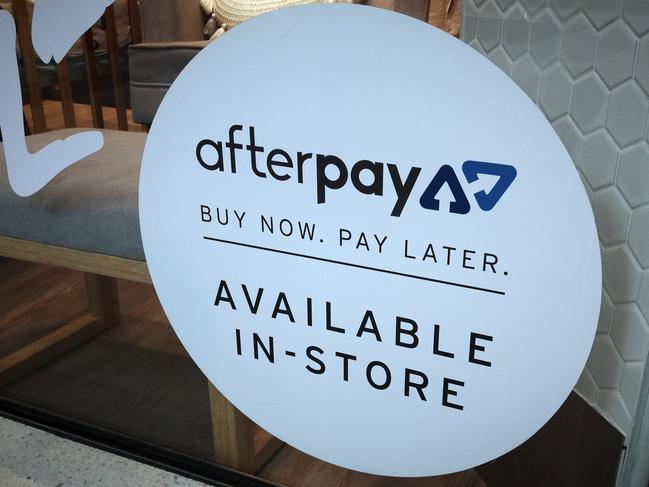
103 300
238 442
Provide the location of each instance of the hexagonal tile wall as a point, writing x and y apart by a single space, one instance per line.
545 38
633 174
488 26
642 65
639 237
527 74
500 58
589 101
565 8
621 275
470 21
612 215
556 86
503 4
630 333
636 14
606 311
578 47
533 6
570 136
586 64
599 159
516 32
587 385
631 382
626 119
605 363
615 53
601 12
643 295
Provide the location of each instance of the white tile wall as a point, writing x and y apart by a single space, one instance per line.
586 64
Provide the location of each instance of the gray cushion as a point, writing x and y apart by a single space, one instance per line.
92 205
152 69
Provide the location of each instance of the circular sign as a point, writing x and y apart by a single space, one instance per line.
370 240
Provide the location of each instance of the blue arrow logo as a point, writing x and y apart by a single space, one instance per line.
445 176
505 173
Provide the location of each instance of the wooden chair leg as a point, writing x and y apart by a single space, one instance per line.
103 312
238 442
103 300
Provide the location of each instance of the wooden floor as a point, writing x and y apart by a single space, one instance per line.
137 379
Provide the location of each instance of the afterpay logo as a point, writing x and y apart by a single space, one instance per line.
366 176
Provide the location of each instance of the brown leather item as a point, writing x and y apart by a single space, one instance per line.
446 15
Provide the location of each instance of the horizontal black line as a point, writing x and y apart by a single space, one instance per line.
358 266
289 353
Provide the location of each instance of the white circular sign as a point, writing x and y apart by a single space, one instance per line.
370 240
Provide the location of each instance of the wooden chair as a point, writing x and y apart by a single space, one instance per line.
238 442
33 82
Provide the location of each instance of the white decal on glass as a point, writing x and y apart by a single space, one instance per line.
57 24
55 27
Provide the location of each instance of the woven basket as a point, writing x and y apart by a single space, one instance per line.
234 12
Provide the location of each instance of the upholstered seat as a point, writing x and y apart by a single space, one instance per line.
90 206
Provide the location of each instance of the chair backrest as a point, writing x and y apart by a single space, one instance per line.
171 20
32 82
150 20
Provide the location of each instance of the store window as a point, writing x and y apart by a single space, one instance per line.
87 349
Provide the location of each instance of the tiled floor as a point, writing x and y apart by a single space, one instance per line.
33 458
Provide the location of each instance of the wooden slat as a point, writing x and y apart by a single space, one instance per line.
90 63
49 347
28 55
134 19
28 131
115 72
105 265
65 88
